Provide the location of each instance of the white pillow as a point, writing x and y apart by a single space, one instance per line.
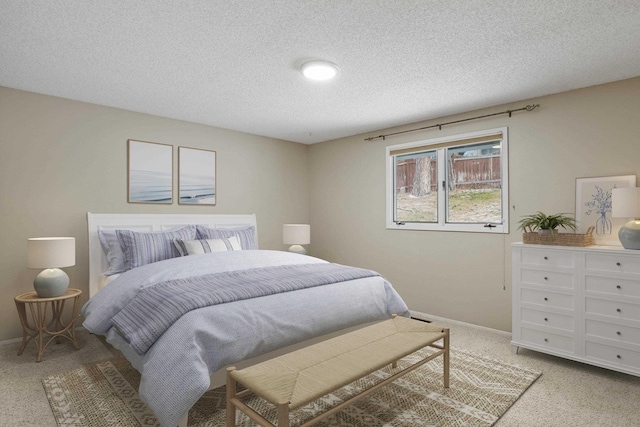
203 246
246 235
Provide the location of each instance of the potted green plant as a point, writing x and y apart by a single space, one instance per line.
546 223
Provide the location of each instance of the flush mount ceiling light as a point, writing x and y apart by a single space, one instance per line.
319 70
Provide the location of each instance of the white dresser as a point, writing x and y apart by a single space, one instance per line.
578 303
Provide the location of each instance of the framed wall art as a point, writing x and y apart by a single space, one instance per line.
150 172
593 206
196 176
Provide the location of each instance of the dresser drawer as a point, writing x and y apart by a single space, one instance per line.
612 286
611 331
612 263
546 258
547 299
548 340
552 320
547 278
613 355
615 309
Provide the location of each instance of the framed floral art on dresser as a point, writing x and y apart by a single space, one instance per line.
593 206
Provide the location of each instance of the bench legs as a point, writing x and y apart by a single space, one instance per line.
445 358
283 414
233 402
231 394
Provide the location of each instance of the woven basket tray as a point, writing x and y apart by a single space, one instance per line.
560 239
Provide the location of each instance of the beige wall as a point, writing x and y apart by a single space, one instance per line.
61 158
582 133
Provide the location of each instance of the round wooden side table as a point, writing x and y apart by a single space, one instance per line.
45 321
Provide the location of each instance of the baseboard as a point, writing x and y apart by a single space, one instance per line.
15 340
429 317
10 341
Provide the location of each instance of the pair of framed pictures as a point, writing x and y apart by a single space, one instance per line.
150 174
593 206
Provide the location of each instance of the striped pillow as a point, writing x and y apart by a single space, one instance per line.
246 235
144 248
205 246
112 250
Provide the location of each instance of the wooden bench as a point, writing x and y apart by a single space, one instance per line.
292 380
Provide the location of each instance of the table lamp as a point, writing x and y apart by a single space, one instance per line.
296 235
51 253
625 203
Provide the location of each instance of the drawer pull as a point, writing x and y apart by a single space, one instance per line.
547 299
619 310
618 333
618 264
618 287
618 356
546 340
546 320
546 258
546 278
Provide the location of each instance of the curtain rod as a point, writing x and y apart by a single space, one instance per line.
439 126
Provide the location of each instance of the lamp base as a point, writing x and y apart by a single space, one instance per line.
51 282
298 249
629 235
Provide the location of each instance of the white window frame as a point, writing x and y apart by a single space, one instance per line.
441 224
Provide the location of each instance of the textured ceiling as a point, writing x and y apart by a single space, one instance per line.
234 64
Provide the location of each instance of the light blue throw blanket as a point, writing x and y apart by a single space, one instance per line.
156 308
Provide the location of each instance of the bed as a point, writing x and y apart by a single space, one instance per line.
179 359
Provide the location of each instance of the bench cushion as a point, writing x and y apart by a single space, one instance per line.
310 373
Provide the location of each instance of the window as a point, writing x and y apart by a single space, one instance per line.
456 183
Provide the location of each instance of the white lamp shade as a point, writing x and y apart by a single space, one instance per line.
51 252
625 202
296 234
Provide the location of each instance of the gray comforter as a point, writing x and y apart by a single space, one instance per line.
177 367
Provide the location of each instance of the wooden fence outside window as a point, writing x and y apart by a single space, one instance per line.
465 173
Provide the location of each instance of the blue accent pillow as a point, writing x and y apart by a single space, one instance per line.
144 248
246 235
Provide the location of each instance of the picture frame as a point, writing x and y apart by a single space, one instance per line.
196 176
149 172
593 206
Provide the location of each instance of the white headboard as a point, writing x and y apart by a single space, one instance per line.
147 222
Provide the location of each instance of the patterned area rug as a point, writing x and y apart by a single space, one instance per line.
480 392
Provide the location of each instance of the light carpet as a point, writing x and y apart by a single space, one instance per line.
481 391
